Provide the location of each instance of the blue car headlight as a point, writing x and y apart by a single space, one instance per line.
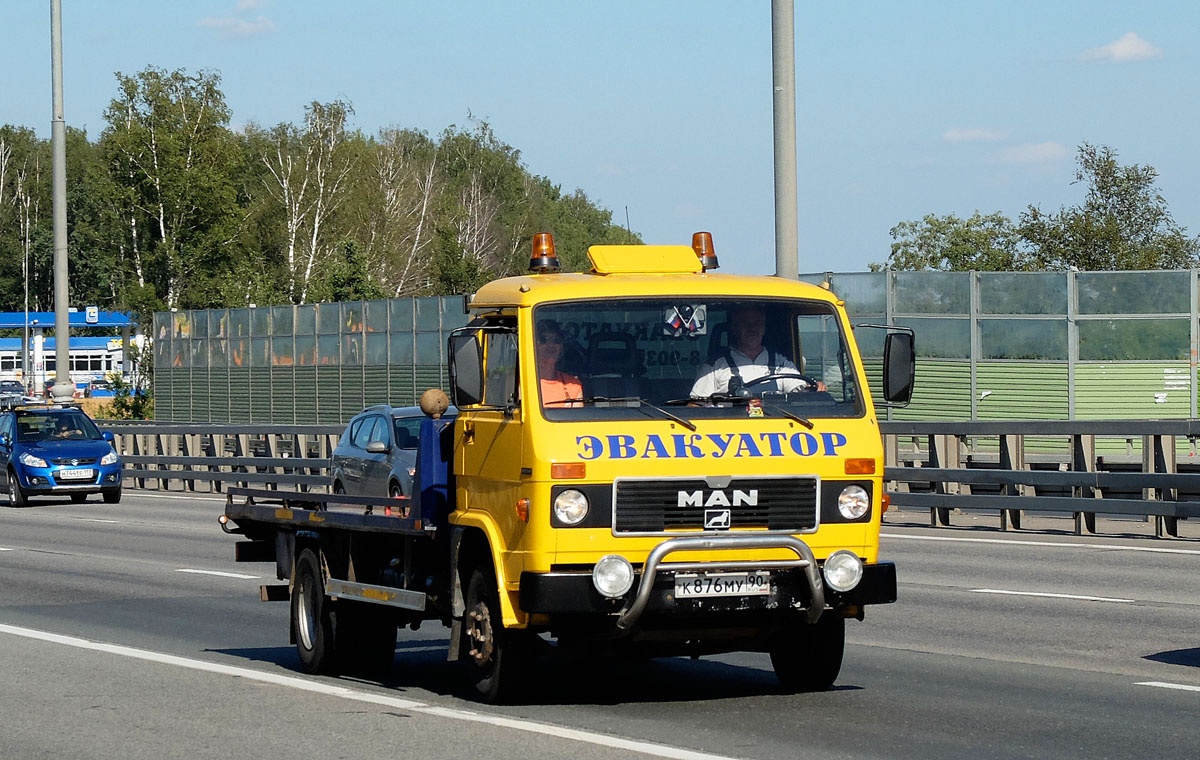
110 458
29 460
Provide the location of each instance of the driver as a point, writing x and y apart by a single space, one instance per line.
65 429
747 359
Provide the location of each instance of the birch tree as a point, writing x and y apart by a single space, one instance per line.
168 144
308 171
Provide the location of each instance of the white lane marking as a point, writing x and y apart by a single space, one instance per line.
174 497
5 550
292 682
1052 544
1051 595
215 572
1164 685
96 519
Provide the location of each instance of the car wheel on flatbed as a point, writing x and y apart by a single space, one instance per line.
809 657
312 625
495 656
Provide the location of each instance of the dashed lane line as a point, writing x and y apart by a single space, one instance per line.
1165 685
1050 595
217 573
301 684
1050 544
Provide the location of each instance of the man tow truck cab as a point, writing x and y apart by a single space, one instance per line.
594 493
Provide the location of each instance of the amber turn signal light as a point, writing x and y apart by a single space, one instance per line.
568 470
523 509
860 466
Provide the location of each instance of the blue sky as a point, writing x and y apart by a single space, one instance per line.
664 107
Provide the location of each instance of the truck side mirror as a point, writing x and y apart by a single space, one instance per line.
899 367
466 369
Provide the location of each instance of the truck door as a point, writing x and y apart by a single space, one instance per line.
488 454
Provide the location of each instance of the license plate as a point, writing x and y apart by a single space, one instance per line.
722 584
75 474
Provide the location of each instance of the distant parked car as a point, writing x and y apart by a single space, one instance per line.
377 453
9 387
100 389
55 450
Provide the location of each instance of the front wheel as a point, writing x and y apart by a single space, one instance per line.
312 625
112 495
809 657
79 498
495 656
16 496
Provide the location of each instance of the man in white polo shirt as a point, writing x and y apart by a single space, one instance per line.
747 360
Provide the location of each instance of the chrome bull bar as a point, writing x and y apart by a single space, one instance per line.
654 564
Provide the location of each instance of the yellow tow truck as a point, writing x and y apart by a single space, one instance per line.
649 458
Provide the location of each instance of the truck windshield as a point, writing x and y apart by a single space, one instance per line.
693 358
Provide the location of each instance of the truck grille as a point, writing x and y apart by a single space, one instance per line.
657 506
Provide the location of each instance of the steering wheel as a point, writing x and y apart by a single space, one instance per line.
810 382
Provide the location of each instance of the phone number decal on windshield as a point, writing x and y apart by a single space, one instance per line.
712 446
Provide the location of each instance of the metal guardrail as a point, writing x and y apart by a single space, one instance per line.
166 454
1011 467
1046 467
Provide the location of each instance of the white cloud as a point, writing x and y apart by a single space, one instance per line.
236 27
972 135
249 5
1034 153
1125 50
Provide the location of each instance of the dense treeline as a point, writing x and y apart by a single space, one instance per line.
169 207
1123 223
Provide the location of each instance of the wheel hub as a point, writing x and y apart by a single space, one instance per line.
479 631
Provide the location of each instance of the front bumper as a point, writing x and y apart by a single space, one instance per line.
48 480
572 593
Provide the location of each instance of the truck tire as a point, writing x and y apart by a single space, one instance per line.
495 657
810 658
16 497
312 624
366 638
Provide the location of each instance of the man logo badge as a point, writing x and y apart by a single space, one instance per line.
716 519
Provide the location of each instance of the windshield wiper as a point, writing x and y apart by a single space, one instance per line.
784 412
641 402
725 398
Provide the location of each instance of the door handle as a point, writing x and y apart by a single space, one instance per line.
468 429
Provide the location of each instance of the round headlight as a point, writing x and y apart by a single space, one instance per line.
570 507
612 576
842 570
853 502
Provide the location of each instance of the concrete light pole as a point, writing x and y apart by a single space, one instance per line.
63 387
783 64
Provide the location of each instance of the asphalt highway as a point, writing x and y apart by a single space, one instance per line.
128 631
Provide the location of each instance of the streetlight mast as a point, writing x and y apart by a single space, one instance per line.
63 387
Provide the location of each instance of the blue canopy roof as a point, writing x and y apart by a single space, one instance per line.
74 319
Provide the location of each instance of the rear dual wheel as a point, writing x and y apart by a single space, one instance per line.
335 636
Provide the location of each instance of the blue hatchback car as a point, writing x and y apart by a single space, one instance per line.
54 451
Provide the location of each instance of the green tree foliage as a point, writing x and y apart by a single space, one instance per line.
169 207
1123 223
985 242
